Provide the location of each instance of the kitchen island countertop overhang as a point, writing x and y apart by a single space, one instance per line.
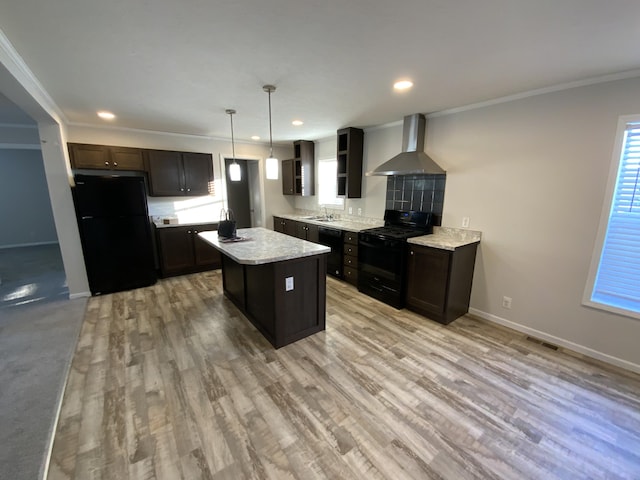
278 282
264 246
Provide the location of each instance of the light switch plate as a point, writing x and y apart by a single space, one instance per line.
288 284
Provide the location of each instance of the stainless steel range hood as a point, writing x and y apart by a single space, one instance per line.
412 160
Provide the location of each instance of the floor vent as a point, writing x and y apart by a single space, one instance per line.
543 343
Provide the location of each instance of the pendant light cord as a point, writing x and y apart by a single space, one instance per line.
270 132
233 147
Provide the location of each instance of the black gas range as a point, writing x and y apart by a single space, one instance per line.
382 255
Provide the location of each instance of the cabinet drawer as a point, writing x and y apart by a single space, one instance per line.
351 237
351 275
351 261
351 250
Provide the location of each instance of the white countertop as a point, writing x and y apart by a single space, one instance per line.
264 246
339 224
447 238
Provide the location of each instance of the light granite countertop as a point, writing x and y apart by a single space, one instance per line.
264 246
340 224
447 238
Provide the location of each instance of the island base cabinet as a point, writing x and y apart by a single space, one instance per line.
285 301
439 281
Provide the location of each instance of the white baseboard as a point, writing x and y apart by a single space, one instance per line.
73 296
36 244
589 352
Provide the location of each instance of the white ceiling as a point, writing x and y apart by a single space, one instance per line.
175 66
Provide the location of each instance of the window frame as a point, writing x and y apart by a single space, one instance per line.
614 167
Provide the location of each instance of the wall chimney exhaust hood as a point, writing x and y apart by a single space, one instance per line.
412 160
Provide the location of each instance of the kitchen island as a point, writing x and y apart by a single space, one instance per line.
277 281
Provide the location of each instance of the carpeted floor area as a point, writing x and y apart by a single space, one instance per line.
39 327
31 274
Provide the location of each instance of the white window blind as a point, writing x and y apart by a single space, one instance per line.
617 282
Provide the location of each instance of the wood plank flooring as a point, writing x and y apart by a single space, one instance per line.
171 382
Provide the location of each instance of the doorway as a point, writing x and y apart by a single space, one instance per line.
243 196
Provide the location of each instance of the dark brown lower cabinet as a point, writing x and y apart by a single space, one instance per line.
439 281
282 312
181 251
286 226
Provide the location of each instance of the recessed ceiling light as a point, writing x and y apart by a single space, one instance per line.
106 115
403 85
297 123
255 137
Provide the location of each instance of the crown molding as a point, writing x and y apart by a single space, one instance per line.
540 91
14 63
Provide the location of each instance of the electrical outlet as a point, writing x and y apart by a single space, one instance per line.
359 211
350 210
288 284
506 302
465 222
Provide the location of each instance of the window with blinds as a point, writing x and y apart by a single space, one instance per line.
617 281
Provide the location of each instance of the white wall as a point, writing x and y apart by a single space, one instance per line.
25 208
531 175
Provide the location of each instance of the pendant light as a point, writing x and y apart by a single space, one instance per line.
271 162
235 173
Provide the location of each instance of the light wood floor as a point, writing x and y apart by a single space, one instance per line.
171 382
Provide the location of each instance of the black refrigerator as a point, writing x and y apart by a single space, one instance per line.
115 232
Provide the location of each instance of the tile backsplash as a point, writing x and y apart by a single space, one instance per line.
418 193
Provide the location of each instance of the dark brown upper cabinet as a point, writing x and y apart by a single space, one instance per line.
288 185
105 157
179 173
349 156
299 173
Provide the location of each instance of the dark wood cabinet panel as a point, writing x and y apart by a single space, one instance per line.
179 173
105 157
181 251
165 173
286 226
350 257
349 156
198 173
304 168
439 281
288 186
204 254
313 233
125 158
176 249
282 315
278 224
307 231
299 173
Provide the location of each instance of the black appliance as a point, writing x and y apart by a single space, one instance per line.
332 238
115 232
382 255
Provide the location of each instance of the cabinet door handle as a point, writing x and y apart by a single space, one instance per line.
411 252
188 189
188 231
195 231
115 164
106 163
182 189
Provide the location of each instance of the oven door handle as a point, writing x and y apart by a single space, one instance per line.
364 243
